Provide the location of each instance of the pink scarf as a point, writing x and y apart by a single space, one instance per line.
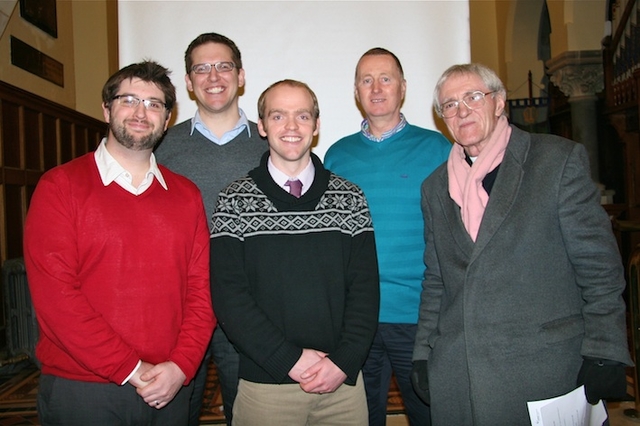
465 183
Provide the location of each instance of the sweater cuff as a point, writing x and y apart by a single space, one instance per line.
128 368
350 362
132 373
282 361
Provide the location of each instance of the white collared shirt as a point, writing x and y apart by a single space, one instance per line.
305 176
111 171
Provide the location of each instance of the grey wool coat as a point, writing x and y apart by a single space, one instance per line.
507 319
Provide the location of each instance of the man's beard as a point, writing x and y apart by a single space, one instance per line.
129 141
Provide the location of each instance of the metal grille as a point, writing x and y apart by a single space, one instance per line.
21 325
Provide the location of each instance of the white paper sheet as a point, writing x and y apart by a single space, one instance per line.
571 409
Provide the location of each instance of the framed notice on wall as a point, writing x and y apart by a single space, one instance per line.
42 14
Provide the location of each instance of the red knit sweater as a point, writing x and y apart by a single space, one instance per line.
116 277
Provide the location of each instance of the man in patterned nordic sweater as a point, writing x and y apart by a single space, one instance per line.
295 280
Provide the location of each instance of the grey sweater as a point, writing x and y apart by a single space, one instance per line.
212 167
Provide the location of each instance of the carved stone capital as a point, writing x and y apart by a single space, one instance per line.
578 74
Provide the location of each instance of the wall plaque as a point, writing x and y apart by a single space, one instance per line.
42 14
32 60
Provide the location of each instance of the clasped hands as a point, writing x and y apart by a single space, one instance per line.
158 384
316 373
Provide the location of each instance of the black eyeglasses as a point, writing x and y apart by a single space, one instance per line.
473 100
130 101
219 66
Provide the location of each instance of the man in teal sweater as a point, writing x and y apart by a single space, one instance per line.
389 159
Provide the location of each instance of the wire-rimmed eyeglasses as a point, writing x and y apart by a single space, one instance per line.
473 100
219 66
131 101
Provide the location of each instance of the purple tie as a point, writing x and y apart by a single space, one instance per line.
295 187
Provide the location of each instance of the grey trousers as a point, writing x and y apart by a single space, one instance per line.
63 402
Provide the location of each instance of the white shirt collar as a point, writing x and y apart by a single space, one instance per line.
111 171
228 136
305 176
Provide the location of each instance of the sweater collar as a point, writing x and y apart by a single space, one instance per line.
281 198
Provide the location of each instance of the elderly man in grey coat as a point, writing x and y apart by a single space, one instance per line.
521 299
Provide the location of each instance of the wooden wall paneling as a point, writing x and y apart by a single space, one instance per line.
35 136
11 133
3 220
49 142
82 141
633 153
66 141
3 234
96 135
86 139
32 139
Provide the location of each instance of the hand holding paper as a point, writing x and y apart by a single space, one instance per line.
571 409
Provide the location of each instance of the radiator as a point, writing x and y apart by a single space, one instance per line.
20 317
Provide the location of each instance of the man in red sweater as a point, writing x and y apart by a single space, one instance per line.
117 257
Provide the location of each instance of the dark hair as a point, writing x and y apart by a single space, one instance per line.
148 71
212 38
377 51
262 100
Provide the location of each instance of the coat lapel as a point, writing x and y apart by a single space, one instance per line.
505 189
453 217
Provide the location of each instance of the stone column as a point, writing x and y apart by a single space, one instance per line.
580 75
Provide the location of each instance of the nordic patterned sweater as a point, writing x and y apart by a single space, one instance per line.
289 273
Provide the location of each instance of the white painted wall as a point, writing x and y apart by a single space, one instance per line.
318 42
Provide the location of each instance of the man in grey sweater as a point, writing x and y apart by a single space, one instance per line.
215 147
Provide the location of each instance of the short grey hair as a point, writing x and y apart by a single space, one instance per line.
486 74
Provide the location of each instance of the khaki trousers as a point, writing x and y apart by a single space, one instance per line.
260 404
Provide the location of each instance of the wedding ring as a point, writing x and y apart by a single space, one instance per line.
157 403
